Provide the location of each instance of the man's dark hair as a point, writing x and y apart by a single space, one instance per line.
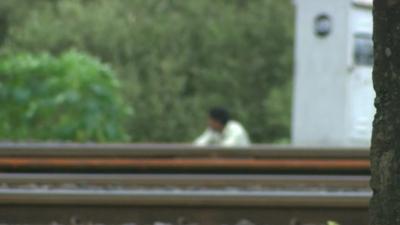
219 114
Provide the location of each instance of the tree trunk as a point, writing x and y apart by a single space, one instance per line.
385 147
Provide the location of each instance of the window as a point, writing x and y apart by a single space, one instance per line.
363 50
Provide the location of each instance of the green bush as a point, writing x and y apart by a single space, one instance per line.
176 58
73 97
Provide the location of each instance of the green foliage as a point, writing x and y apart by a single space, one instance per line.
177 58
73 97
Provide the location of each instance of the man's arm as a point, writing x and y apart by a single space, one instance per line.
235 137
231 141
205 139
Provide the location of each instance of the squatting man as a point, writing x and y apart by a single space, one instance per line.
223 131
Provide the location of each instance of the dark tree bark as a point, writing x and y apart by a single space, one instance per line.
385 148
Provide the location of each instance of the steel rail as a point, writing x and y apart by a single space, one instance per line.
343 191
350 199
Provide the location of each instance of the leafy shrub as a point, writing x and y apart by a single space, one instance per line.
73 97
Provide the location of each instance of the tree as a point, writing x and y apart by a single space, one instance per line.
176 58
385 148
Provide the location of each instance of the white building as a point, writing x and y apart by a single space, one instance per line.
333 93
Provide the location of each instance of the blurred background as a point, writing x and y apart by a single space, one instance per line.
295 73
143 71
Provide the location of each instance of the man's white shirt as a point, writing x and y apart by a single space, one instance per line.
233 135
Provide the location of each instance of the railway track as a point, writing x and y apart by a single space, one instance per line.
205 199
142 184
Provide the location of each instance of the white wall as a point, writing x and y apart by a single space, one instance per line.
321 68
333 95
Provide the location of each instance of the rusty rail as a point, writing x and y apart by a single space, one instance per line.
179 158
